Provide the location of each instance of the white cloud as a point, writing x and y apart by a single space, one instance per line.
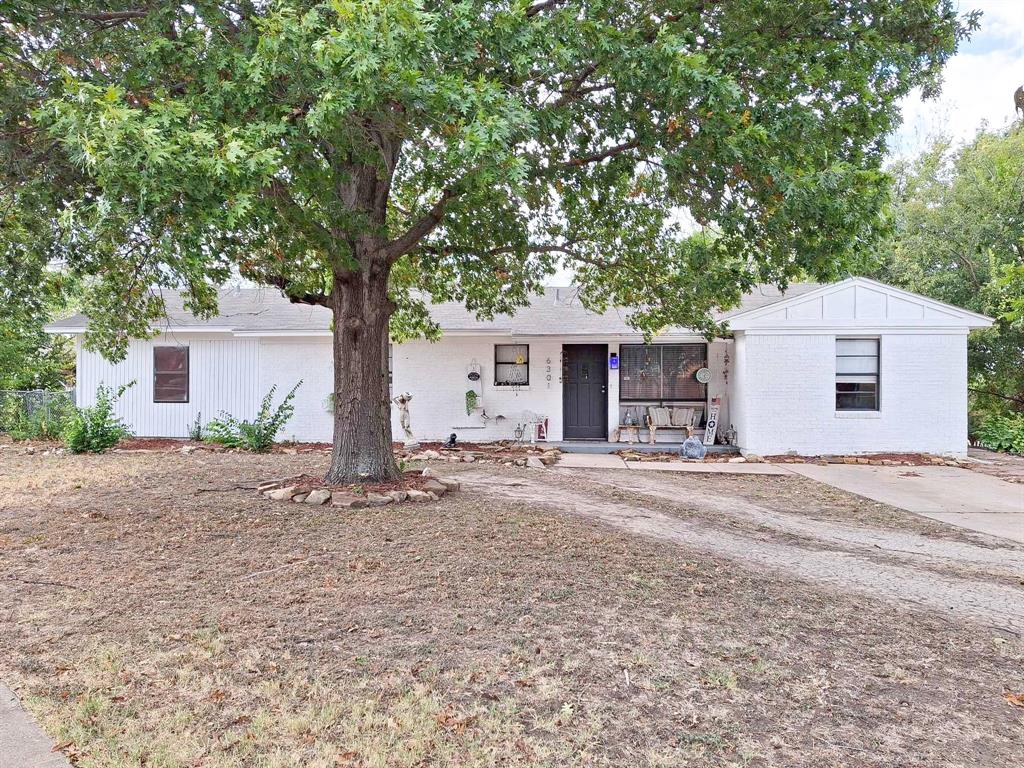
978 82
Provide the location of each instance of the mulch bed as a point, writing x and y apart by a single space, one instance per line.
905 459
412 479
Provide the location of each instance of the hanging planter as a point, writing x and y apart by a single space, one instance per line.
471 400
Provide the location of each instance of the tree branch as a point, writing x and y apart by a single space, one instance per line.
313 299
421 228
977 391
111 16
597 157
536 8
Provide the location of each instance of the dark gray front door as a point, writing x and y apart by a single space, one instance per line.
585 392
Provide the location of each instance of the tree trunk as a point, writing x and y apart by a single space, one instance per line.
362 404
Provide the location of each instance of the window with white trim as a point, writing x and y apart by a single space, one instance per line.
511 365
857 374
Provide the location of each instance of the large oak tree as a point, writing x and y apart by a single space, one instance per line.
366 155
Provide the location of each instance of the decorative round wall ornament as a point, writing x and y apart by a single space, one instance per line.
473 376
704 375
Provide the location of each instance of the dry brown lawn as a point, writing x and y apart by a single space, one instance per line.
147 622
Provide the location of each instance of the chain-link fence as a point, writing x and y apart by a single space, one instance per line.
36 413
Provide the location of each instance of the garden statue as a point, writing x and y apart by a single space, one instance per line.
692 448
402 401
730 435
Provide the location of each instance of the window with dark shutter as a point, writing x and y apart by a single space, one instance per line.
857 374
170 374
661 372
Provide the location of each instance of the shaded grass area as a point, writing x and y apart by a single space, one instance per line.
148 625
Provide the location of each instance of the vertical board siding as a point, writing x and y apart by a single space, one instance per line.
223 376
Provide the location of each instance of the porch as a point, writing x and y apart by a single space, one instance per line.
605 446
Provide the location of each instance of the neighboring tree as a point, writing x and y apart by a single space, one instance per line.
364 155
30 296
958 235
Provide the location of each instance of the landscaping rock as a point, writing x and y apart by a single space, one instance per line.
428 454
398 496
318 497
269 485
379 499
533 462
299 497
281 494
349 502
433 486
469 458
428 472
753 458
738 460
418 496
449 483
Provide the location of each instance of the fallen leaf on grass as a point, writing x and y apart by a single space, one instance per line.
1015 699
450 722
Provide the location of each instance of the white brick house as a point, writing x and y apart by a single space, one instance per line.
850 367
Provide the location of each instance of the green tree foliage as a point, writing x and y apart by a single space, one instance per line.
365 154
958 236
30 295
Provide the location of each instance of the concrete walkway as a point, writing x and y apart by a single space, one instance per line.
951 495
23 743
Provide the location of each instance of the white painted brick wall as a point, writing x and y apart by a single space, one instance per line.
283 362
436 375
785 397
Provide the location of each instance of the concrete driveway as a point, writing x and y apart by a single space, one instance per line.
949 494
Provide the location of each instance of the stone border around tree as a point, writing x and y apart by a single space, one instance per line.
432 489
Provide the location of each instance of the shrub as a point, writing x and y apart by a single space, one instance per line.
257 435
42 417
96 428
195 429
1002 433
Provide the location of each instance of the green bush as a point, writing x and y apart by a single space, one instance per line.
257 435
46 420
1002 433
96 428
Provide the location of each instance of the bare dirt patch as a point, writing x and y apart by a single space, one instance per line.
148 625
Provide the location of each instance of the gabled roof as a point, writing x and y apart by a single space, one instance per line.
851 303
857 302
555 311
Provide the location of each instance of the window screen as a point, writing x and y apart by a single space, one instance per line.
856 374
661 371
170 374
511 365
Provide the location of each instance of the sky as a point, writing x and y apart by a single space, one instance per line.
978 82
